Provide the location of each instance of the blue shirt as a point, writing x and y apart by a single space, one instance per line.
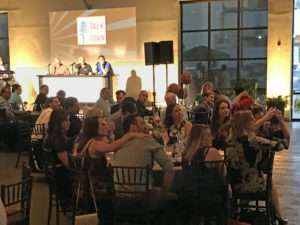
106 66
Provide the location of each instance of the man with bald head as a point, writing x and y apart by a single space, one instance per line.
140 104
57 68
83 68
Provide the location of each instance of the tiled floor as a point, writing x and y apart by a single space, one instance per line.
286 177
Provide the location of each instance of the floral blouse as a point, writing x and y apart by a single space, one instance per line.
176 131
245 156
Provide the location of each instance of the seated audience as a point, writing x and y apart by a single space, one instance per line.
242 101
94 141
59 144
42 97
52 104
72 107
103 103
61 95
206 107
199 148
142 153
170 97
271 125
140 104
10 113
205 87
221 124
120 95
245 155
175 127
15 98
128 107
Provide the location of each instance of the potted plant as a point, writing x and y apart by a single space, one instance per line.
296 105
279 102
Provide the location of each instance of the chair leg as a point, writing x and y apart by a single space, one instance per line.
18 158
50 208
57 210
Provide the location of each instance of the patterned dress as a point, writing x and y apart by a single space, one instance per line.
245 157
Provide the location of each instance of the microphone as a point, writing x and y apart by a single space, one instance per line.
72 64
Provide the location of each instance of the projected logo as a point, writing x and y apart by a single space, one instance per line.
91 30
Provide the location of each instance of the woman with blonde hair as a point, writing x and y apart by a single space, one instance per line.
199 145
245 154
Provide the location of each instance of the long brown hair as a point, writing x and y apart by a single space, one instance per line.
241 124
215 126
194 141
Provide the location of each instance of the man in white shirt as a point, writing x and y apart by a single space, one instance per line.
103 103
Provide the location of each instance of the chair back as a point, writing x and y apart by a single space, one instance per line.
3 117
130 182
38 132
201 117
18 196
206 188
49 168
26 171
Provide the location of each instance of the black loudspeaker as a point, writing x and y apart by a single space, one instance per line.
166 52
151 53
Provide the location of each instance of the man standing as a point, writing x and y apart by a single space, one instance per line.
140 104
83 68
205 109
120 95
58 68
42 97
72 107
104 67
103 102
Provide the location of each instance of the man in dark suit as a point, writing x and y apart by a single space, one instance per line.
140 104
42 97
120 95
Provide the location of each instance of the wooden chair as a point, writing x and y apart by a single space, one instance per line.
204 195
23 132
54 199
252 201
18 197
38 133
102 177
131 194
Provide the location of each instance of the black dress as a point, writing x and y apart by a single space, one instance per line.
60 143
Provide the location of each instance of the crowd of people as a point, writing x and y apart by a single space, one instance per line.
237 130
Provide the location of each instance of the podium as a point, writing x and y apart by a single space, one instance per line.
83 87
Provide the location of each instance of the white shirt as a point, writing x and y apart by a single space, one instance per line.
3 218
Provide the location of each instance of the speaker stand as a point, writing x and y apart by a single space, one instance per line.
154 93
167 76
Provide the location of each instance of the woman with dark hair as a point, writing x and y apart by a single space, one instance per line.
221 124
94 140
57 142
175 126
246 154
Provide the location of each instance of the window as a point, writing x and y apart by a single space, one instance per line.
296 58
223 42
4 50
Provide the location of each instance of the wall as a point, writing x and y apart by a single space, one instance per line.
280 21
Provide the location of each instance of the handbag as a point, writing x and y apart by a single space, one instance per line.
91 218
